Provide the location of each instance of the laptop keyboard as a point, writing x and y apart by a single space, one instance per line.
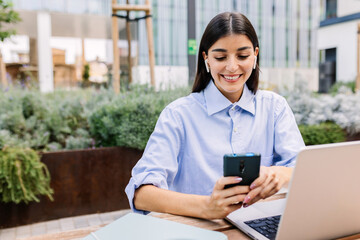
266 226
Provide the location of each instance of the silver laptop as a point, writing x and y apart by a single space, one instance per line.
323 200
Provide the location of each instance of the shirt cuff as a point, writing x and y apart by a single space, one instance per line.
139 180
287 163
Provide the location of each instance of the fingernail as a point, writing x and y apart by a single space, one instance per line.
239 179
245 205
246 200
252 186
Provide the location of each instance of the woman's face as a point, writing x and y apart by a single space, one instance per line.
231 61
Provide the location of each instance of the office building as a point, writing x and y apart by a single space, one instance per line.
287 31
338 42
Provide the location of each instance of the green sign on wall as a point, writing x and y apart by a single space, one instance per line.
192 46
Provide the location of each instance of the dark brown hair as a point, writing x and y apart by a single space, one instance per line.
222 25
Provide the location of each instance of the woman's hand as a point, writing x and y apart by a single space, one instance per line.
270 181
224 201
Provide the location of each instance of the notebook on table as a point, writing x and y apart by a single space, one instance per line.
135 226
323 200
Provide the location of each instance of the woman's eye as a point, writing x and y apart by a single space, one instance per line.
220 58
243 57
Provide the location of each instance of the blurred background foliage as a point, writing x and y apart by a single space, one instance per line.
92 118
7 15
81 119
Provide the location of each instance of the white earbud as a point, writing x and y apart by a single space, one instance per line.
207 65
255 63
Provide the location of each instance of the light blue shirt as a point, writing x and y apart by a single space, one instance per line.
185 151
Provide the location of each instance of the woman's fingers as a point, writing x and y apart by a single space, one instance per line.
263 175
261 191
220 184
234 207
225 194
235 199
259 197
252 196
224 201
236 190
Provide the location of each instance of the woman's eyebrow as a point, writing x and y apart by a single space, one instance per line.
243 48
224 50
219 50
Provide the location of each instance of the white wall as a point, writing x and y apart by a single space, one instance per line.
72 47
165 76
347 7
343 37
279 79
14 45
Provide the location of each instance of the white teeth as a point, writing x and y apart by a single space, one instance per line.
231 78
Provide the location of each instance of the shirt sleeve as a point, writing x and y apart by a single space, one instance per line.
159 164
287 137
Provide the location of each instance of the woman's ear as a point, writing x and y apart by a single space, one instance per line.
206 62
204 55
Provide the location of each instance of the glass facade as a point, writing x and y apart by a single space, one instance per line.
170 33
286 28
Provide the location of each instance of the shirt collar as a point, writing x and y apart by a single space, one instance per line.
216 101
247 100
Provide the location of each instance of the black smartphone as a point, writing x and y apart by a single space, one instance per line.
246 166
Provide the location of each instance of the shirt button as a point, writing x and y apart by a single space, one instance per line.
235 129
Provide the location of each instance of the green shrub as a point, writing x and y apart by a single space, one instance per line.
86 75
47 121
322 133
335 89
22 176
8 139
130 119
80 140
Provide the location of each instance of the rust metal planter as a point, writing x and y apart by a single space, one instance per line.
84 182
355 137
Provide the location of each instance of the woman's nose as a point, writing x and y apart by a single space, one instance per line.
231 65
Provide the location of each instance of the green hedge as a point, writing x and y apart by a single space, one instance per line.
129 120
88 118
322 133
81 119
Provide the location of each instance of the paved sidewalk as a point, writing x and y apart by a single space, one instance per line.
60 225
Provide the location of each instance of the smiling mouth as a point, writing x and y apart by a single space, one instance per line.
231 78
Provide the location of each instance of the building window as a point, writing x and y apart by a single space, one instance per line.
331 7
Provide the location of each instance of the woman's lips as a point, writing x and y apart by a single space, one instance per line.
231 78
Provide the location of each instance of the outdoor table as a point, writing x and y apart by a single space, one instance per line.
219 225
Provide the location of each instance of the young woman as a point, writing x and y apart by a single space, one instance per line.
181 169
